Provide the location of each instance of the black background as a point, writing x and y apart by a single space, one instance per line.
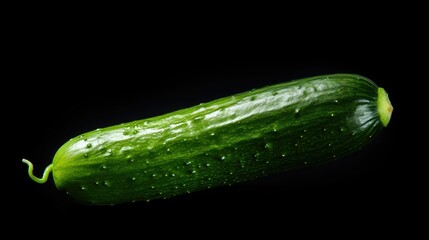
71 77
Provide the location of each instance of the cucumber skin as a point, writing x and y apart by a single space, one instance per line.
291 125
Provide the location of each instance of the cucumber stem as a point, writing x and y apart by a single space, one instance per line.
34 178
385 108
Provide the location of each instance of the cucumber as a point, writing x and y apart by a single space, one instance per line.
287 126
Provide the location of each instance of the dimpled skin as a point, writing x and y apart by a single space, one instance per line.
301 123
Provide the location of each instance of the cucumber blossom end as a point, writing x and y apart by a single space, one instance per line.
384 106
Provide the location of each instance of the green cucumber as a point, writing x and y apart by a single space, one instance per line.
291 125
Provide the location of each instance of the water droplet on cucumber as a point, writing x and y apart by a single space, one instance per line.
256 156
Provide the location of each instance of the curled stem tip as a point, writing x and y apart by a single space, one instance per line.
45 176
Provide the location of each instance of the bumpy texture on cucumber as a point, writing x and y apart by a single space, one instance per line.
305 122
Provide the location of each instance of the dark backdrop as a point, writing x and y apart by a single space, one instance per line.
67 82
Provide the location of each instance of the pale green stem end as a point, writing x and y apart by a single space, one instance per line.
384 106
45 176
